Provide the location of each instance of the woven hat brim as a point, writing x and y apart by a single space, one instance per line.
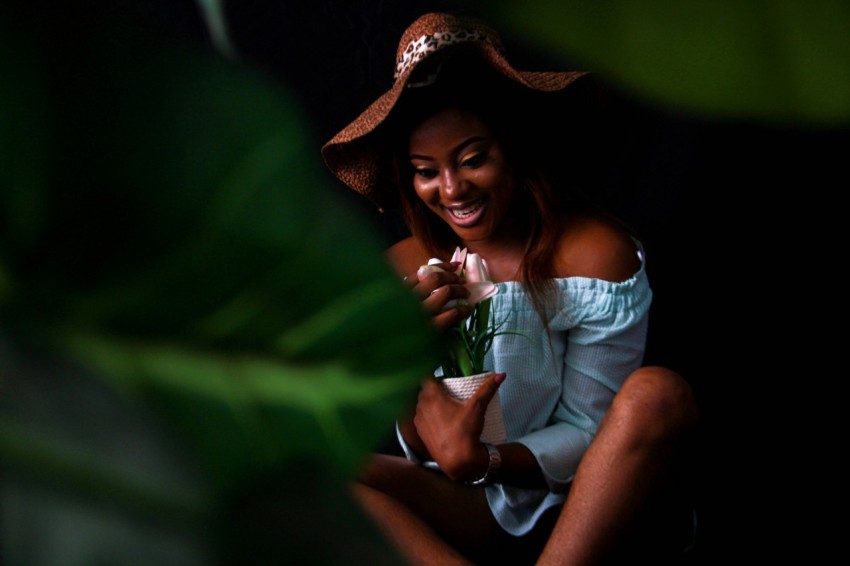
357 163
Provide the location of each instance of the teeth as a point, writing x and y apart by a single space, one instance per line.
465 212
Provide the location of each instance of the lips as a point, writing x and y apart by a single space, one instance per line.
466 213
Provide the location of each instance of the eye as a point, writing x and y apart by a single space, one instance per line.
474 161
425 172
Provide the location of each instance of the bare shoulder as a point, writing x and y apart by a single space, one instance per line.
407 255
597 247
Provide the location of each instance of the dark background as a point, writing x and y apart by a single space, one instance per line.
742 225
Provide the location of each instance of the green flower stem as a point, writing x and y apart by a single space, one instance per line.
464 359
469 343
482 334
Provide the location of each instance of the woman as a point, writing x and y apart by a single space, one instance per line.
457 145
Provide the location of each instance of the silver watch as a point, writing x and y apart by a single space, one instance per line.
492 467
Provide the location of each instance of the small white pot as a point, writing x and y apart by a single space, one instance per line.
462 388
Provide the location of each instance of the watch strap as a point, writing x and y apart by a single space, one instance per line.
493 465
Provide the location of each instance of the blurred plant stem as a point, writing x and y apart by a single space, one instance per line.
214 18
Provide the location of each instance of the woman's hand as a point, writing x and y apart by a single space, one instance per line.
451 429
443 294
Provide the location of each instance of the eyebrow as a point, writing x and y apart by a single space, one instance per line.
465 143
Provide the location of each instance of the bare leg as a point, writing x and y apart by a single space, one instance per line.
428 516
415 540
403 496
626 460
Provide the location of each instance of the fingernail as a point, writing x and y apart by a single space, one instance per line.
500 377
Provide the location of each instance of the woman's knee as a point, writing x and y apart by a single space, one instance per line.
659 396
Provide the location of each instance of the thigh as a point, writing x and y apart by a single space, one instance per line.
456 511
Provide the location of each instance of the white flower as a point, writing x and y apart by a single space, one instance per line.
473 268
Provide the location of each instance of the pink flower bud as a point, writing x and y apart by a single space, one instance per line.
475 270
480 291
460 257
473 267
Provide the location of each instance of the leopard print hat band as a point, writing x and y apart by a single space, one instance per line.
351 156
426 44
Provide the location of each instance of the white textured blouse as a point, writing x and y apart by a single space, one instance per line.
556 392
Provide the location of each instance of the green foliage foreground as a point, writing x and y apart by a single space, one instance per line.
191 321
772 61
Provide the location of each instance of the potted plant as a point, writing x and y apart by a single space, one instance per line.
463 368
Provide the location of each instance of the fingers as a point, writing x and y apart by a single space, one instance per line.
451 317
412 280
448 266
442 293
445 297
480 398
433 280
486 391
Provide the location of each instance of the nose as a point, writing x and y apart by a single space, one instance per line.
452 184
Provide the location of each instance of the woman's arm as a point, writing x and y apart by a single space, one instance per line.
605 341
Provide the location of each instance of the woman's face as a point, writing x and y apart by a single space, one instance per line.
460 171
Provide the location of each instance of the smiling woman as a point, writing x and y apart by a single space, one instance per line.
461 173
460 145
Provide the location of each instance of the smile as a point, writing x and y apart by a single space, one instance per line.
465 211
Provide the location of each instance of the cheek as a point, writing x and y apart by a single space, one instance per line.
426 191
503 190
499 182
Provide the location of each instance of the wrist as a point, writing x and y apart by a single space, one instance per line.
491 472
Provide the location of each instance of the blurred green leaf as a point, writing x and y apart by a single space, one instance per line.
250 411
779 60
167 221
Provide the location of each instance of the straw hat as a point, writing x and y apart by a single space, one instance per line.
356 161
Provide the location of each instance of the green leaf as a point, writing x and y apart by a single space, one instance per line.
273 409
778 61
182 240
